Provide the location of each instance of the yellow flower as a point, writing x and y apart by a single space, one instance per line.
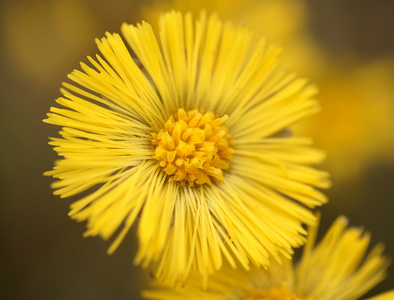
335 269
357 113
33 22
190 136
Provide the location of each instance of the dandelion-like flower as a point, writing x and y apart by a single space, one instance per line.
189 135
336 269
363 94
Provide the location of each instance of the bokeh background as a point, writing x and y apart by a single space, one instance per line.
346 47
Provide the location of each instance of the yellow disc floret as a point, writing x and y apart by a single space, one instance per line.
194 147
273 294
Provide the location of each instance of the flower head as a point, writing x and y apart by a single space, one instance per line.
335 269
357 102
190 136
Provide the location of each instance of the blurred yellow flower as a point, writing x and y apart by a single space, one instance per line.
276 19
335 269
284 22
191 137
35 32
355 124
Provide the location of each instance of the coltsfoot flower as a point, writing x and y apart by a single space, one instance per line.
336 269
189 134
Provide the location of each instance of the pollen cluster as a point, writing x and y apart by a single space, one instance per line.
194 147
273 294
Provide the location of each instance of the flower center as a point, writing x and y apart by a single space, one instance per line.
194 147
273 294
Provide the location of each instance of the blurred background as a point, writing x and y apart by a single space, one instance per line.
345 47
